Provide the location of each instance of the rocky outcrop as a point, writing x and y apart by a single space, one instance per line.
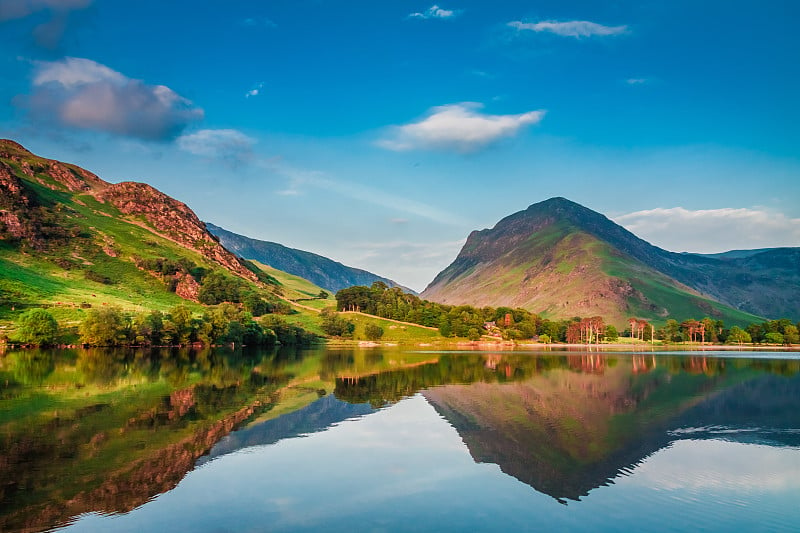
173 219
162 214
187 287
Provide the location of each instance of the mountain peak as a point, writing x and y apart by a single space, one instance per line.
561 259
8 144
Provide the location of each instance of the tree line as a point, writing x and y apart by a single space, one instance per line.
470 322
110 326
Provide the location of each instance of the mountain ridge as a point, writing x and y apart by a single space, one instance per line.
320 270
561 258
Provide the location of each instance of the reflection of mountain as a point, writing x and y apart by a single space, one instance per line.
313 418
565 433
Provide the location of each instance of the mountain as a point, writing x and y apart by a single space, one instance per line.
326 273
67 237
561 259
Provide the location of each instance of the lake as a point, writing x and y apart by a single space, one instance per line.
396 439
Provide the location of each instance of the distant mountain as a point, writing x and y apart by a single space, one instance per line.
68 237
561 259
326 273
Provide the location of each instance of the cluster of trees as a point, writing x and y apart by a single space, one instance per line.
709 330
463 321
216 286
512 324
110 326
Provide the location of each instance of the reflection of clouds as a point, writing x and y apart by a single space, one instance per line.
698 465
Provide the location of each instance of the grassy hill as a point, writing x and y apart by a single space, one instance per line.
70 241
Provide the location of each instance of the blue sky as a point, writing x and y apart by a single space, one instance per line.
381 133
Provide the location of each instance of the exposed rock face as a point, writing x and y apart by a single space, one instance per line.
187 287
172 218
14 202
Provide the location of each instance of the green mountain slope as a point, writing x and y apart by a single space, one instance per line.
326 273
563 260
70 239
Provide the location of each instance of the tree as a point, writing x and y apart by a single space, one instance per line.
773 338
217 288
181 317
335 325
672 331
373 332
544 338
103 327
611 333
738 335
37 326
473 334
790 334
323 295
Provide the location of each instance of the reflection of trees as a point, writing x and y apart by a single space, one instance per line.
380 388
114 451
31 367
101 366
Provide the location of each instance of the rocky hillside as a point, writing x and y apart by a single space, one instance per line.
326 273
69 237
562 259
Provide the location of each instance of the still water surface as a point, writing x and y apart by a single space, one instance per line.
397 440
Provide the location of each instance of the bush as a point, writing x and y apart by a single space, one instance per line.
373 332
37 326
336 326
96 277
217 288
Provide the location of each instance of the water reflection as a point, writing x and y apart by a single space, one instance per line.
106 431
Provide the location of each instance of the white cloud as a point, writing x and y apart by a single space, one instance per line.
636 81
713 230
81 93
231 146
435 12
255 91
460 127
571 28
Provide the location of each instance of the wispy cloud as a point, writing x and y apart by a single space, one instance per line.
459 127
301 179
48 33
713 230
255 91
435 12
81 93
230 146
262 22
637 81
570 28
